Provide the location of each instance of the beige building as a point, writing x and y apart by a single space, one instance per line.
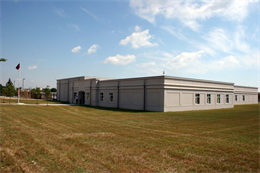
156 93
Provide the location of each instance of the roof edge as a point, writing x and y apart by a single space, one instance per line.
245 86
161 76
199 80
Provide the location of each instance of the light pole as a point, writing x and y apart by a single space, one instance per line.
23 88
14 84
23 83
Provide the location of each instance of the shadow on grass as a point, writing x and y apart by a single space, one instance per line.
112 109
58 102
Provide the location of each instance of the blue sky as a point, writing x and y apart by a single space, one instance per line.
213 40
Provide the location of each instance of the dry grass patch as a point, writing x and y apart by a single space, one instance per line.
87 139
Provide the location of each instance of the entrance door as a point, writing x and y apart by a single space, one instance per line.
81 100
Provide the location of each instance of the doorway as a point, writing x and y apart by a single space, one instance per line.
81 100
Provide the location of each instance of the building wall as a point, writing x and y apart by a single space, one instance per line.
180 94
129 94
250 95
159 93
155 100
184 100
62 90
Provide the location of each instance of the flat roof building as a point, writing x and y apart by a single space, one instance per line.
155 93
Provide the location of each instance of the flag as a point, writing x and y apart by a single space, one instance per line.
18 66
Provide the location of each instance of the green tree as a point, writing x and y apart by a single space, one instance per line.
9 89
1 87
4 90
3 59
53 90
37 92
47 93
9 81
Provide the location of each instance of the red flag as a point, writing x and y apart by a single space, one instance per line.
18 66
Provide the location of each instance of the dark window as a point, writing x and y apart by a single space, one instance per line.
218 98
209 98
88 96
101 97
111 98
227 98
197 99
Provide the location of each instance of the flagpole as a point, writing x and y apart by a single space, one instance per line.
19 86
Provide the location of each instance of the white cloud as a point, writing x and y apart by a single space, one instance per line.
60 12
73 26
137 28
93 48
240 44
184 59
138 39
192 24
173 31
95 17
76 49
158 55
250 60
219 40
229 62
190 11
204 47
146 65
120 59
148 68
32 67
196 62
199 62
189 62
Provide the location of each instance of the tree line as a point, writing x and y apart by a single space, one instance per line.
9 91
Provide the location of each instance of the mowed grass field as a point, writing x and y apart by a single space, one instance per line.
30 101
87 139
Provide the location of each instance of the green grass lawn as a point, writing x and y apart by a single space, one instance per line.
30 101
87 139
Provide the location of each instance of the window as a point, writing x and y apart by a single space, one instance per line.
197 99
244 98
218 98
88 96
101 97
111 97
209 98
235 97
227 98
